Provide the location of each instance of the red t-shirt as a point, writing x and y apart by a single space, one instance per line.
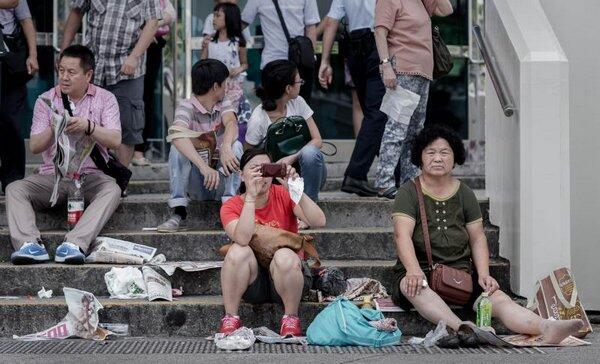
277 213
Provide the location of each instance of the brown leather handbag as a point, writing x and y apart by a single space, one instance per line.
451 284
267 240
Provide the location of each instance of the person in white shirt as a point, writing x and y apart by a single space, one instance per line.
301 18
280 97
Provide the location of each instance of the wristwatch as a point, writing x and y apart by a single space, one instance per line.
384 61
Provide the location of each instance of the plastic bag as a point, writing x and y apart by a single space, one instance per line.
432 336
125 283
241 339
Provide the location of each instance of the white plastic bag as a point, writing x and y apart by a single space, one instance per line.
240 339
125 283
432 336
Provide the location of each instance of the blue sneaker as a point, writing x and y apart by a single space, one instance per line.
69 253
31 252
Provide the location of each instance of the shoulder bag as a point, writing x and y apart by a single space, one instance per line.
442 59
14 58
451 284
300 49
286 136
112 167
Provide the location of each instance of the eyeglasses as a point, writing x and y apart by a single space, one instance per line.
301 82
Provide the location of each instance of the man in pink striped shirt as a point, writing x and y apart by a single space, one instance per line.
95 118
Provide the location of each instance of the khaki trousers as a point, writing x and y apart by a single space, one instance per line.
101 193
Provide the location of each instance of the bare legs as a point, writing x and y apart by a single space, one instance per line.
124 154
516 318
240 269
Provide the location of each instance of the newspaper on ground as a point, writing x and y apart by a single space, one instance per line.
81 320
188 266
241 339
269 336
487 337
399 104
125 283
115 251
43 293
115 329
157 286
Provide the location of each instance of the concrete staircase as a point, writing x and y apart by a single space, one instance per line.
358 239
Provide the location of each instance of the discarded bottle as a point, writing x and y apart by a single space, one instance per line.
484 311
75 203
367 302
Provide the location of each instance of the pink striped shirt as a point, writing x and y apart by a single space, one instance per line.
98 105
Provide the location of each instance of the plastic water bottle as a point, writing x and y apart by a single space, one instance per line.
484 311
75 203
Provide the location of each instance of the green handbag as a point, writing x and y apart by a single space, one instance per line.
286 136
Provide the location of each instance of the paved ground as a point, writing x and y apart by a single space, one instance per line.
589 354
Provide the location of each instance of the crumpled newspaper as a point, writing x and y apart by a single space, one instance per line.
157 286
115 251
70 151
296 189
187 266
241 339
269 336
81 320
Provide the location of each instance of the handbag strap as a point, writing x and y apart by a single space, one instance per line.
283 25
424 225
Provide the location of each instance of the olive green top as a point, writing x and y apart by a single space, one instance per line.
447 219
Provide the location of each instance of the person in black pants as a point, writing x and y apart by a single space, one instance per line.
16 69
363 62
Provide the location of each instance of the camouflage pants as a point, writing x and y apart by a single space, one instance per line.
395 145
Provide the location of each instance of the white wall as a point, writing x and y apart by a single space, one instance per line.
527 155
577 27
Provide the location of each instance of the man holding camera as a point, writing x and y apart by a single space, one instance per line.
96 116
205 152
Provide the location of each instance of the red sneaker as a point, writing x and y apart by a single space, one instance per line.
290 325
229 324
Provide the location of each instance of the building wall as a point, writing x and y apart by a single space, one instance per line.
577 28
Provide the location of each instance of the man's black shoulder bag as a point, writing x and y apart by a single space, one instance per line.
300 49
113 167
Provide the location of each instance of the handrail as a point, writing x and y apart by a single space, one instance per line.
505 102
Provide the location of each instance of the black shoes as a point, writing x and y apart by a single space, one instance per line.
361 188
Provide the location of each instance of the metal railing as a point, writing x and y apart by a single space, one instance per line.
505 102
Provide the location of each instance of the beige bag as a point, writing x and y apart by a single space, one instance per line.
556 296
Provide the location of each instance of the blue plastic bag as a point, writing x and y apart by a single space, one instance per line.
342 324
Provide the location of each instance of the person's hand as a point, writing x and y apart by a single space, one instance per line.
229 162
413 282
253 183
234 72
211 177
32 64
290 174
388 75
325 75
206 41
289 160
129 65
77 125
488 283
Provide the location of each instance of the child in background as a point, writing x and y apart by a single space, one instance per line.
228 45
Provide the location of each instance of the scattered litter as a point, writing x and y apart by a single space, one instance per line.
387 324
296 189
125 283
169 267
42 293
159 258
116 329
241 339
268 336
81 320
177 292
115 251
432 336
157 286
150 229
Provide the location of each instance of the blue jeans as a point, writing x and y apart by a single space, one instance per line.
186 180
312 169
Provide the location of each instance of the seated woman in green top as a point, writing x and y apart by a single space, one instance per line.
457 239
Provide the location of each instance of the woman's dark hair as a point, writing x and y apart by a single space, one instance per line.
233 23
275 77
85 55
246 157
429 135
206 73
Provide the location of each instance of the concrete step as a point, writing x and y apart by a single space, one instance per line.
28 279
336 244
137 211
188 316
141 187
